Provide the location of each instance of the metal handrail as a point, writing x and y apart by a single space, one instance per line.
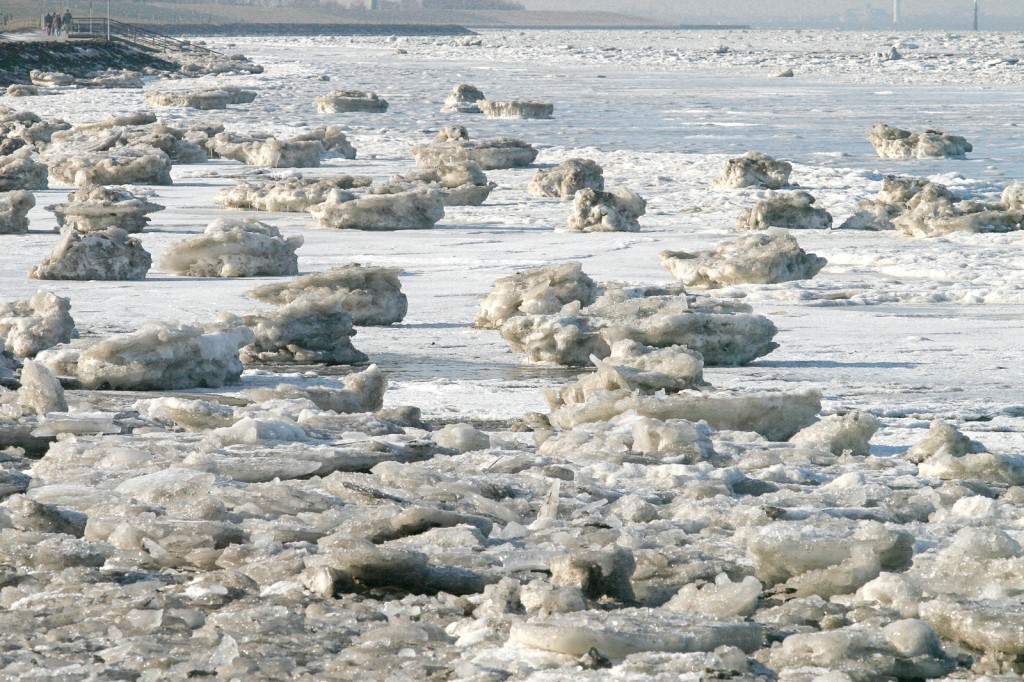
130 33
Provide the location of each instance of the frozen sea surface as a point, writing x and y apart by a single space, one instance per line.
908 329
253 538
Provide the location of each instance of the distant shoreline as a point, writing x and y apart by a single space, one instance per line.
367 29
322 29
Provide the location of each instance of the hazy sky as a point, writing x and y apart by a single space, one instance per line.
955 13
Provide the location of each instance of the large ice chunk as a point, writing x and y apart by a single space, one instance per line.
160 356
595 211
112 78
571 336
14 208
40 392
621 632
567 178
453 145
901 650
50 78
304 330
720 599
462 183
837 434
350 100
118 166
371 295
993 626
19 129
722 338
630 438
793 210
636 368
363 392
877 213
538 291
94 208
774 415
836 557
20 171
463 99
462 437
515 108
291 194
754 169
942 438
108 255
265 151
206 98
302 151
36 324
985 466
417 209
934 211
762 258
560 339
896 143
231 247
139 132
183 413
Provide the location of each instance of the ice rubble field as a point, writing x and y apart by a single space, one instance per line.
631 568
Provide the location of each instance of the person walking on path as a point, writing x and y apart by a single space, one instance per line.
66 21
56 24
48 23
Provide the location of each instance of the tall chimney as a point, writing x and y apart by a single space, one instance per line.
895 11
975 15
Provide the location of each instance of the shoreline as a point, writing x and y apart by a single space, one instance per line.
284 29
385 29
